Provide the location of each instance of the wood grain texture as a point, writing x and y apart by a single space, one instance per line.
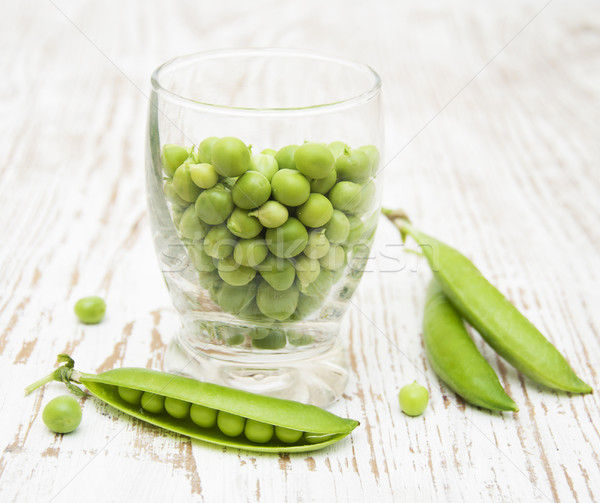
505 166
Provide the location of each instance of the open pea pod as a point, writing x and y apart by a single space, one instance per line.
315 427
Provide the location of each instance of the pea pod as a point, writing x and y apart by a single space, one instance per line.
500 323
455 358
296 427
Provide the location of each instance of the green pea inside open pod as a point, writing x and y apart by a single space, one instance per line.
309 423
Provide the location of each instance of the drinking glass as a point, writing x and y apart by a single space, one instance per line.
268 99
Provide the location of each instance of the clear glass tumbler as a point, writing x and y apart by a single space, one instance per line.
264 195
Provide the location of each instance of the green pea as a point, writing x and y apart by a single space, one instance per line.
316 211
202 416
277 272
251 190
274 340
334 259
357 229
172 157
230 424
204 151
368 195
242 225
233 273
269 151
177 213
264 164
257 431
204 175
319 287
338 148
298 338
177 408
345 196
338 227
271 214
185 188
200 259
276 304
130 395
219 242
235 299
62 414
413 399
210 281
250 252
317 245
306 306
190 226
314 160
324 185
287 240
307 269
230 156
373 155
287 435
285 157
353 166
290 187
90 310
250 311
316 438
152 402
171 195
213 206
234 339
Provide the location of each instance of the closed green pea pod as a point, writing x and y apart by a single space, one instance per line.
500 323
455 358
289 419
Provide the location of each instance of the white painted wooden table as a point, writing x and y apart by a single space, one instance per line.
493 114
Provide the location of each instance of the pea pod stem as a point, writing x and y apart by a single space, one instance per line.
498 321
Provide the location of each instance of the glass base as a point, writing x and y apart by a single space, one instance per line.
318 379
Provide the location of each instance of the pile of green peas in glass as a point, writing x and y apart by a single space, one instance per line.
271 233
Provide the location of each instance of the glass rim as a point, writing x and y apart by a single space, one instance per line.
186 59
